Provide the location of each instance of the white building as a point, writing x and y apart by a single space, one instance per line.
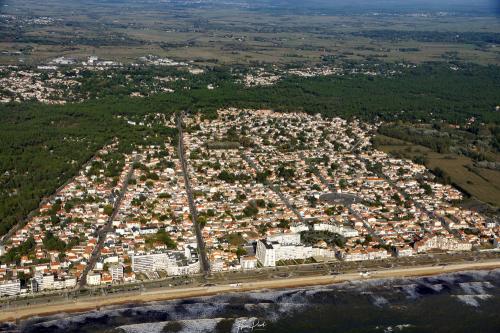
150 262
442 243
116 272
266 253
336 229
94 279
43 281
285 239
405 251
69 282
173 262
282 247
47 282
248 262
10 288
299 227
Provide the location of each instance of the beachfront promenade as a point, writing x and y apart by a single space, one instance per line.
276 282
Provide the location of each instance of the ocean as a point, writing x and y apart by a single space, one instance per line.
460 302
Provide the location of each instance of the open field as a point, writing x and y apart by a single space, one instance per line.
236 34
481 183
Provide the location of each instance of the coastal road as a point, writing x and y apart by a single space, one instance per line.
235 277
205 265
258 284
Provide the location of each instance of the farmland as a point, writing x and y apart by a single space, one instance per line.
211 33
479 182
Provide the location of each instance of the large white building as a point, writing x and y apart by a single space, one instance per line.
172 262
337 229
94 279
44 281
47 282
10 288
116 271
288 239
266 253
442 243
286 247
150 262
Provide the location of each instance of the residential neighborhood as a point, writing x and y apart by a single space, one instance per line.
269 189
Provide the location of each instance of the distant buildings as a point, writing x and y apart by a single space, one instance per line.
360 254
337 229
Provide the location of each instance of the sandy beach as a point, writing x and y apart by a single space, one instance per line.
169 294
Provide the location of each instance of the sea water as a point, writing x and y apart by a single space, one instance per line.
460 302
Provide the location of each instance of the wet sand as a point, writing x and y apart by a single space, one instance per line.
90 304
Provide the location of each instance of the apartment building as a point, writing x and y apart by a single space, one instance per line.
10 288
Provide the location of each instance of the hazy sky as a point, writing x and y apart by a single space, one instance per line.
486 6
463 6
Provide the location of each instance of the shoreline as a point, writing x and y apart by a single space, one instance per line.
98 302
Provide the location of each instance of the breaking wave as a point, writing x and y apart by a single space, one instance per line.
205 314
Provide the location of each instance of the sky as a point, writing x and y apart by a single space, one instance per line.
488 7
421 5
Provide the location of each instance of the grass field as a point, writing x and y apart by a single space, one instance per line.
483 184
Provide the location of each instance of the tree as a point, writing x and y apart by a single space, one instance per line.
241 252
53 243
108 210
286 173
250 210
284 224
164 238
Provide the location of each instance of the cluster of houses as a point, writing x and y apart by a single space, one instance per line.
53 248
58 81
269 189
381 206
266 77
260 77
152 230
158 61
27 85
